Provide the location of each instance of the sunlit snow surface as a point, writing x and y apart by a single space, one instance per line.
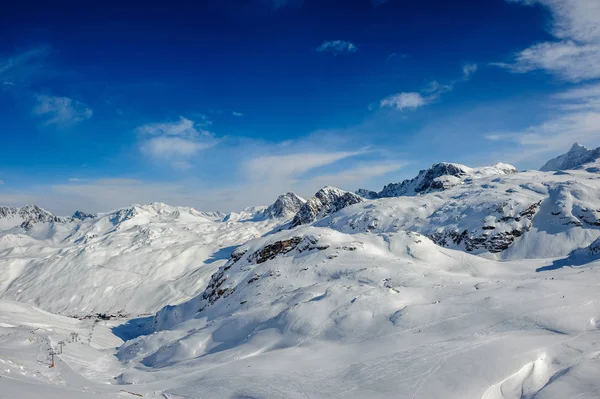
354 306
395 317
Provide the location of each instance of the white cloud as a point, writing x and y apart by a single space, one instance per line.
401 56
469 70
174 141
575 56
577 119
569 60
19 68
290 166
404 101
359 175
17 199
436 88
118 181
238 114
168 147
414 100
61 111
337 47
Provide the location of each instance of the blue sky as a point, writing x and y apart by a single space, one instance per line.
221 105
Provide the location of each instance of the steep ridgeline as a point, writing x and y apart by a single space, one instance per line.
439 177
518 215
576 158
286 206
326 201
27 216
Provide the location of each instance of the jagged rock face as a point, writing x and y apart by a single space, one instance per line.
439 177
271 251
577 156
286 206
485 238
427 180
218 286
325 202
30 215
82 215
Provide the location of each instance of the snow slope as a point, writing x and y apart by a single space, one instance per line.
130 261
315 313
521 215
439 177
460 283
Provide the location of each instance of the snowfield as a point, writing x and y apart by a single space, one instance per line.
462 283
132 261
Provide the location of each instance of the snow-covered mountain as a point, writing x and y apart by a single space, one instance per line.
462 282
131 261
314 312
27 216
439 177
286 206
576 158
326 201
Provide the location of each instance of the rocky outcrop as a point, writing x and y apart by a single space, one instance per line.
577 156
29 215
272 250
439 177
285 207
485 238
78 215
326 201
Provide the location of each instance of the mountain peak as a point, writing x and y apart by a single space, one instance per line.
577 156
576 147
326 201
286 206
440 176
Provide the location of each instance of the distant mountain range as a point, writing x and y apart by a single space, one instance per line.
140 258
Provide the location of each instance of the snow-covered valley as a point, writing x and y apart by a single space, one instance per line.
461 283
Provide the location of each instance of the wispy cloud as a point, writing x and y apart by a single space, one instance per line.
337 47
405 101
291 166
392 56
410 101
575 55
576 118
61 111
238 114
360 174
175 142
469 70
19 68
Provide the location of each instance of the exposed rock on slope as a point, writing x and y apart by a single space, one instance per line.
286 206
522 215
133 260
82 215
439 177
326 201
577 156
27 216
